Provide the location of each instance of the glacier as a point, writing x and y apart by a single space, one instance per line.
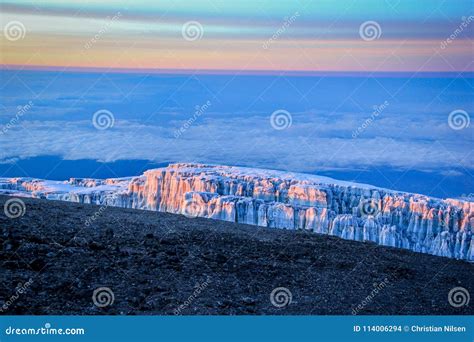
278 199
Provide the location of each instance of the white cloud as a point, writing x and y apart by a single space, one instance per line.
312 143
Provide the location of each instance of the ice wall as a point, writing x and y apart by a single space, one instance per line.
280 200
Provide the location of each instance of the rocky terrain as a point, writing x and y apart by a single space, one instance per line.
68 258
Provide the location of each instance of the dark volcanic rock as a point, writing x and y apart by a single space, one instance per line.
142 262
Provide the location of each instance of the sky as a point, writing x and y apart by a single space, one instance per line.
300 36
378 91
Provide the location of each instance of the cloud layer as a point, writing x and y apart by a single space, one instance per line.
311 143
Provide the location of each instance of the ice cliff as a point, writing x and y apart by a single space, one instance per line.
278 200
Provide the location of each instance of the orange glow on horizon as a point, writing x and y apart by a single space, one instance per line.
245 55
